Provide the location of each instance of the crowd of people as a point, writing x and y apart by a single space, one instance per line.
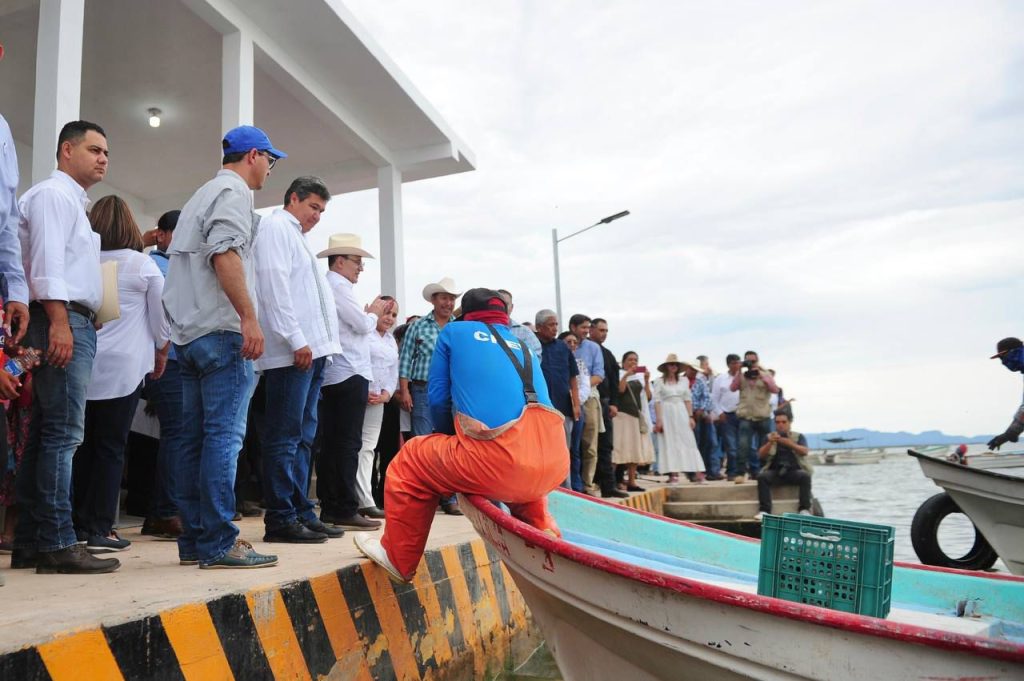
231 333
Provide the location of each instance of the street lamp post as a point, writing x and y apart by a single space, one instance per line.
554 245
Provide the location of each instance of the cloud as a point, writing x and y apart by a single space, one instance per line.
837 185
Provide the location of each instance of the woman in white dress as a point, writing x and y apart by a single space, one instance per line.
631 436
673 405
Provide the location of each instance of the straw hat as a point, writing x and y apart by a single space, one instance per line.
673 359
344 244
446 285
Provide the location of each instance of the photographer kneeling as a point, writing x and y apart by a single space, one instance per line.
785 463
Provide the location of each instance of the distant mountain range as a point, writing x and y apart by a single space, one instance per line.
861 437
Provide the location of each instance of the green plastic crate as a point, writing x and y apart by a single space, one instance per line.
838 564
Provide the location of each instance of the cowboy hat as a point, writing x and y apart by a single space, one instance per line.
446 285
344 244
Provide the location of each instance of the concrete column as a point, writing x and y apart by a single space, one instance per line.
392 252
58 79
236 81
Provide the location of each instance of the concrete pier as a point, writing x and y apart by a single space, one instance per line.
323 612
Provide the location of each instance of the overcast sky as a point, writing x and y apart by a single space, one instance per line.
839 186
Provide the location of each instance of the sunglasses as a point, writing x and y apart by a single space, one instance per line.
270 158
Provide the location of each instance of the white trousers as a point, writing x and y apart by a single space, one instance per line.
371 433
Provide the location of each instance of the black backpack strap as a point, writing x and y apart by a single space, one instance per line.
525 371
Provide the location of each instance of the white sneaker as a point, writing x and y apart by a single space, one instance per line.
371 547
759 516
804 511
740 479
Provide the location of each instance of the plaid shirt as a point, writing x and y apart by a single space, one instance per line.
418 348
701 394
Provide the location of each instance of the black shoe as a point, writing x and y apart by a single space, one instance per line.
355 522
24 559
296 533
74 560
451 508
318 526
614 494
237 516
372 512
637 488
250 509
714 476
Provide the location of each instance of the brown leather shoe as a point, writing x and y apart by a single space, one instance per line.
162 528
372 512
74 560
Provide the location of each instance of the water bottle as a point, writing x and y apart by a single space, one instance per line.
16 366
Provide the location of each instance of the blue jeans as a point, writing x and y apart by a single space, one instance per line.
575 465
728 437
43 483
217 383
746 453
421 421
292 399
166 393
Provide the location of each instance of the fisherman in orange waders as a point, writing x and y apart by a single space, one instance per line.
507 442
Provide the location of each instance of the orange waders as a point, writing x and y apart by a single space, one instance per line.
518 463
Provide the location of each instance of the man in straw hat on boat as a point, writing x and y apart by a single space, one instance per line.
509 443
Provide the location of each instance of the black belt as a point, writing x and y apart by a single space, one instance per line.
417 382
72 307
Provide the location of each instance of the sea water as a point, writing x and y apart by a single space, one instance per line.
889 493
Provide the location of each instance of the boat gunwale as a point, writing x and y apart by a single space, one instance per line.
961 467
861 624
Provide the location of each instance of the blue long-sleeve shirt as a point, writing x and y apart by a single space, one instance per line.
470 370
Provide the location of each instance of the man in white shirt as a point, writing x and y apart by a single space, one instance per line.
61 257
724 402
346 387
301 332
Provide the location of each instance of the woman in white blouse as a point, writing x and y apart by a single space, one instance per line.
384 363
127 349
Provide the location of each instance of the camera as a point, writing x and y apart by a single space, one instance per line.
748 364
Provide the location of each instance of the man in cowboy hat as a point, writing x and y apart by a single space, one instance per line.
210 298
414 364
346 387
1010 351
509 443
301 333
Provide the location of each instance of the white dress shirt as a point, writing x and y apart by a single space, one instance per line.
125 346
295 302
384 362
354 328
60 251
722 398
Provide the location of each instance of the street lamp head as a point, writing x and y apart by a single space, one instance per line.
610 218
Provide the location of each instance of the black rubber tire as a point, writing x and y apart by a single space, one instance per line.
924 534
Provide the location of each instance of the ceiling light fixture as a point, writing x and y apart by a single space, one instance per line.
154 117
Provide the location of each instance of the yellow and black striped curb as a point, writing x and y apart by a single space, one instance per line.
652 501
458 620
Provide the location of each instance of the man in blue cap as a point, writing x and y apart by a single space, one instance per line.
1010 351
210 300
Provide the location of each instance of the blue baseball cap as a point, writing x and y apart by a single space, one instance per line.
245 137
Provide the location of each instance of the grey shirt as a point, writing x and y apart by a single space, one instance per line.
218 218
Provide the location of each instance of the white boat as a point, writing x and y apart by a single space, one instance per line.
993 500
996 460
627 595
849 457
